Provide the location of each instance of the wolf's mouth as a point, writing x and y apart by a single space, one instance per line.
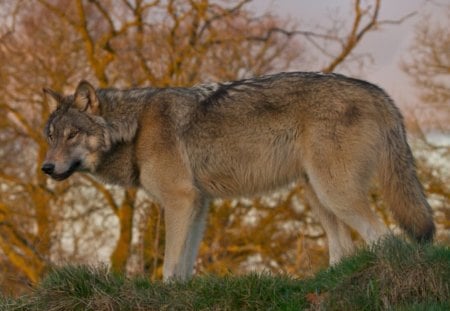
75 165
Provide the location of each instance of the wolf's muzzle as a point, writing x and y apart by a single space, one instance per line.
48 168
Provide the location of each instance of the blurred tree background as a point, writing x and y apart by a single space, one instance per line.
128 43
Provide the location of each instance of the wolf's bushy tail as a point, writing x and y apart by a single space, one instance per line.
402 189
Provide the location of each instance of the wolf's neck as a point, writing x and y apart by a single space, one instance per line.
122 131
121 110
118 166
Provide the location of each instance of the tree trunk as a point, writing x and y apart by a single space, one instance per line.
121 253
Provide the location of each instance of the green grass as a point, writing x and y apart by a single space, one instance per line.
393 275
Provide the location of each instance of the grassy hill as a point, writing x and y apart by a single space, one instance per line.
393 275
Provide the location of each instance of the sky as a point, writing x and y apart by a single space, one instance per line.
388 45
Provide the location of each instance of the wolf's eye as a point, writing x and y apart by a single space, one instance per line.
72 135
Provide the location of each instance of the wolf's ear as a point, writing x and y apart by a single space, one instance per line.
52 98
86 99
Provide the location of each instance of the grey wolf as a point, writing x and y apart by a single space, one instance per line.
185 146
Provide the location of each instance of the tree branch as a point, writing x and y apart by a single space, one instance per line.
355 35
20 121
54 9
105 192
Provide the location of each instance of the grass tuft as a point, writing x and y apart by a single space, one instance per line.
391 275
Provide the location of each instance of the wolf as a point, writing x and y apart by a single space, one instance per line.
187 145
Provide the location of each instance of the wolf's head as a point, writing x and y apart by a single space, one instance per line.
76 133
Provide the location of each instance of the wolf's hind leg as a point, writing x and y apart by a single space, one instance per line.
340 170
339 238
350 205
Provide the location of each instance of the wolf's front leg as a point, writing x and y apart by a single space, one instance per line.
185 217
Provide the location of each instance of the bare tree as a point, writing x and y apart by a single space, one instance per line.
428 65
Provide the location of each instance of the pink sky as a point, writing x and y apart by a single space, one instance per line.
388 45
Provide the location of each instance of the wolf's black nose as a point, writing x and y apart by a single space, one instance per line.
48 168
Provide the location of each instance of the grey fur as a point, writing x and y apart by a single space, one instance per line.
185 146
